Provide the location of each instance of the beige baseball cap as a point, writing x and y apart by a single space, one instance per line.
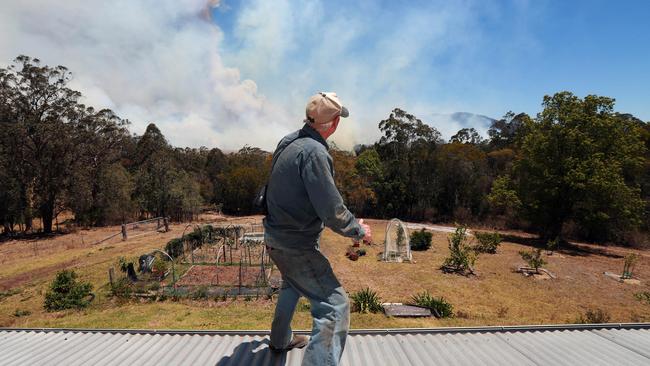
323 107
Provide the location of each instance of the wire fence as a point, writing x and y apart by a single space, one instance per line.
136 229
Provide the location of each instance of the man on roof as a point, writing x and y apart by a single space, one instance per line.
302 199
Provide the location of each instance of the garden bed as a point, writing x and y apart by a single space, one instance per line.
220 276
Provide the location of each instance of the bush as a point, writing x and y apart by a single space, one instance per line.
597 316
201 293
196 237
159 268
8 293
552 245
438 306
18 313
533 258
421 240
487 242
122 288
174 247
67 293
461 255
628 267
366 301
643 296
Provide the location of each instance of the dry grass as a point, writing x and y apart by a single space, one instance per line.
497 296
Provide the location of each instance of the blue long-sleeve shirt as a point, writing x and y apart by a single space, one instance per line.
301 195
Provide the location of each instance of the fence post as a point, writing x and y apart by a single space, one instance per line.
111 275
166 223
124 236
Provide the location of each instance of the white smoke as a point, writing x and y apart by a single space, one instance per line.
149 61
169 62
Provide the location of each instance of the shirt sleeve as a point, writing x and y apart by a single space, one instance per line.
318 176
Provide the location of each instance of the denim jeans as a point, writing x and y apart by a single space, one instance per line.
308 273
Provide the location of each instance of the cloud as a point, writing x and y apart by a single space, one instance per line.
150 61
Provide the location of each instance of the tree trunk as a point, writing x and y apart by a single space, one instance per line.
47 215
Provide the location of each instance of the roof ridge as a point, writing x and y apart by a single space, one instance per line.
441 330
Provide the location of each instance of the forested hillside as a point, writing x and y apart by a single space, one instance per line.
578 169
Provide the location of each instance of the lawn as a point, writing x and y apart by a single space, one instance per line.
495 296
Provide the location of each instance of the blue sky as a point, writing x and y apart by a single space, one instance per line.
224 73
483 57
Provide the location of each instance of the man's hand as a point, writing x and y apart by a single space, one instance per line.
366 228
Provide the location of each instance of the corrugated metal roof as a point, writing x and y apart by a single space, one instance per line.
609 344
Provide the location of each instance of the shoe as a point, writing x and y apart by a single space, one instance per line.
298 341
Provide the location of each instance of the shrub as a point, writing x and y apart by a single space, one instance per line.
122 288
628 267
67 293
366 301
8 293
123 264
643 296
552 245
487 242
421 240
159 268
438 306
461 255
18 313
196 237
200 293
174 247
533 258
597 316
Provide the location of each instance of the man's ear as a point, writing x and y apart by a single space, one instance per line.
335 123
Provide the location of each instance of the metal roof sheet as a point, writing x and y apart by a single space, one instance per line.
610 344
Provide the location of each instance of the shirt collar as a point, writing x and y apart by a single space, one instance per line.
315 135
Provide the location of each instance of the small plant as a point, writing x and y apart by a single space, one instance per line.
122 288
66 292
552 245
123 265
628 267
421 240
533 258
643 296
591 316
439 307
461 255
487 242
366 301
18 313
502 311
159 268
8 293
400 236
201 293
